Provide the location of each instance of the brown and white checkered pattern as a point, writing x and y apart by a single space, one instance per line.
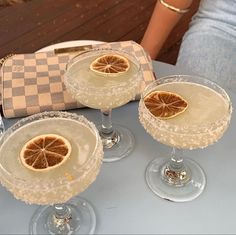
32 83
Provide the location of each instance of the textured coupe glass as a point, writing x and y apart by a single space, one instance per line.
105 92
203 123
56 188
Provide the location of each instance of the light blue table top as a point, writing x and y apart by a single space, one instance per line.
123 202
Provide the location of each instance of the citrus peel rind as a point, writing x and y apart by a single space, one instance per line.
110 64
45 152
165 105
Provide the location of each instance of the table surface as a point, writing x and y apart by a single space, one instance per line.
122 200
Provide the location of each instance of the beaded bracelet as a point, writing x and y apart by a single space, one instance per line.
172 8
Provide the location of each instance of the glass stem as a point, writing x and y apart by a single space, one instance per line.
109 136
62 215
176 161
60 220
175 172
106 121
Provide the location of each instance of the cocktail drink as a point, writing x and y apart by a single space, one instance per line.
48 159
184 112
105 79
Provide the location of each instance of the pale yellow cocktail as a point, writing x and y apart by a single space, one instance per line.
201 124
105 79
55 185
101 91
183 112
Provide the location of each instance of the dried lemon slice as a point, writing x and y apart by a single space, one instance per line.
110 64
165 105
45 152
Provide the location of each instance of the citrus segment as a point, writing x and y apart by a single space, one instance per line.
165 105
45 152
110 64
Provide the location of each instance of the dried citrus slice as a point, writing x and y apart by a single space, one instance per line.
111 64
165 105
45 152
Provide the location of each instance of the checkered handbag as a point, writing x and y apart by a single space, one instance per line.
32 83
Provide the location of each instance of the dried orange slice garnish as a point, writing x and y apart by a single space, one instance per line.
45 152
111 64
165 105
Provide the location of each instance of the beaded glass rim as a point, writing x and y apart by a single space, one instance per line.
193 79
75 87
97 152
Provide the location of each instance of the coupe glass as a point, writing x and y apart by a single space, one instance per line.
203 123
63 213
105 92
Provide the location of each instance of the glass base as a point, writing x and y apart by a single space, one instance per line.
82 219
118 145
186 192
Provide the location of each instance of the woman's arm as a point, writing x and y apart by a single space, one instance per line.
161 24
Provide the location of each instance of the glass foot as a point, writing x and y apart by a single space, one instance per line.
81 219
117 145
188 191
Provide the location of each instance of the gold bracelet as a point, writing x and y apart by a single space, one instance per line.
175 9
